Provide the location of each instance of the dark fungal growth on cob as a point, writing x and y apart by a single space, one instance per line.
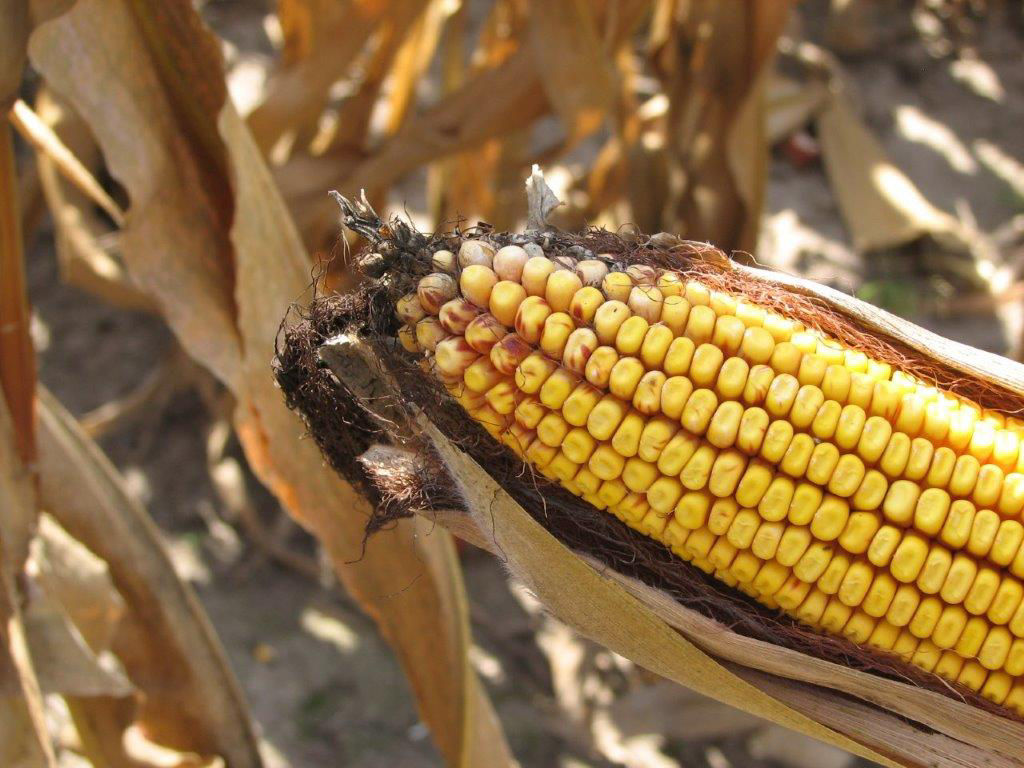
747 449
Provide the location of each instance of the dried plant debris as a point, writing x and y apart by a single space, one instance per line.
749 449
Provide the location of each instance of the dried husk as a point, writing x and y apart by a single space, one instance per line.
892 719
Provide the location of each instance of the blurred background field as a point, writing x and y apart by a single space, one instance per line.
894 170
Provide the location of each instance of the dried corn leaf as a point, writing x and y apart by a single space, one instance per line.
13 37
563 38
251 272
881 207
716 58
298 92
17 522
168 648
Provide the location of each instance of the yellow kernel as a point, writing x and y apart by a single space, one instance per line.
743 529
855 583
639 474
675 312
692 510
476 283
850 427
580 403
481 375
560 289
950 626
933 572
812 370
931 510
1011 497
894 458
776 441
766 540
860 528
707 360
885 400
631 334
806 405
647 395
909 558
697 472
678 452
941 470
655 436
536 272
732 378
557 388
584 305
793 544
755 482
879 597
605 417
814 561
599 366
798 455
698 411
847 477
781 394
626 439
874 438
606 462
903 606
722 513
835 616
664 493
655 346
883 545
927 615
726 473
920 459
484 332
830 518
700 326
826 420
871 492
697 293
832 577
1007 542
806 500
752 429
900 501
983 532
836 384
625 375
751 314
578 445
989 485
725 424
675 394
609 317
728 335
670 283
1007 600
775 504
617 286
679 357
822 464
982 592
786 358
555 334
757 346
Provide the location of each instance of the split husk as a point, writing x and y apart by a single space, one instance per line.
410 450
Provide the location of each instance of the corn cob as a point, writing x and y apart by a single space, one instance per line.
853 497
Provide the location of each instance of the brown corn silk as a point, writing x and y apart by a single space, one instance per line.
344 430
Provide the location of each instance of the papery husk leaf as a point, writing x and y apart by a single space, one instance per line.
225 266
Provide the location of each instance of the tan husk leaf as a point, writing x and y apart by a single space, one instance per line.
208 236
